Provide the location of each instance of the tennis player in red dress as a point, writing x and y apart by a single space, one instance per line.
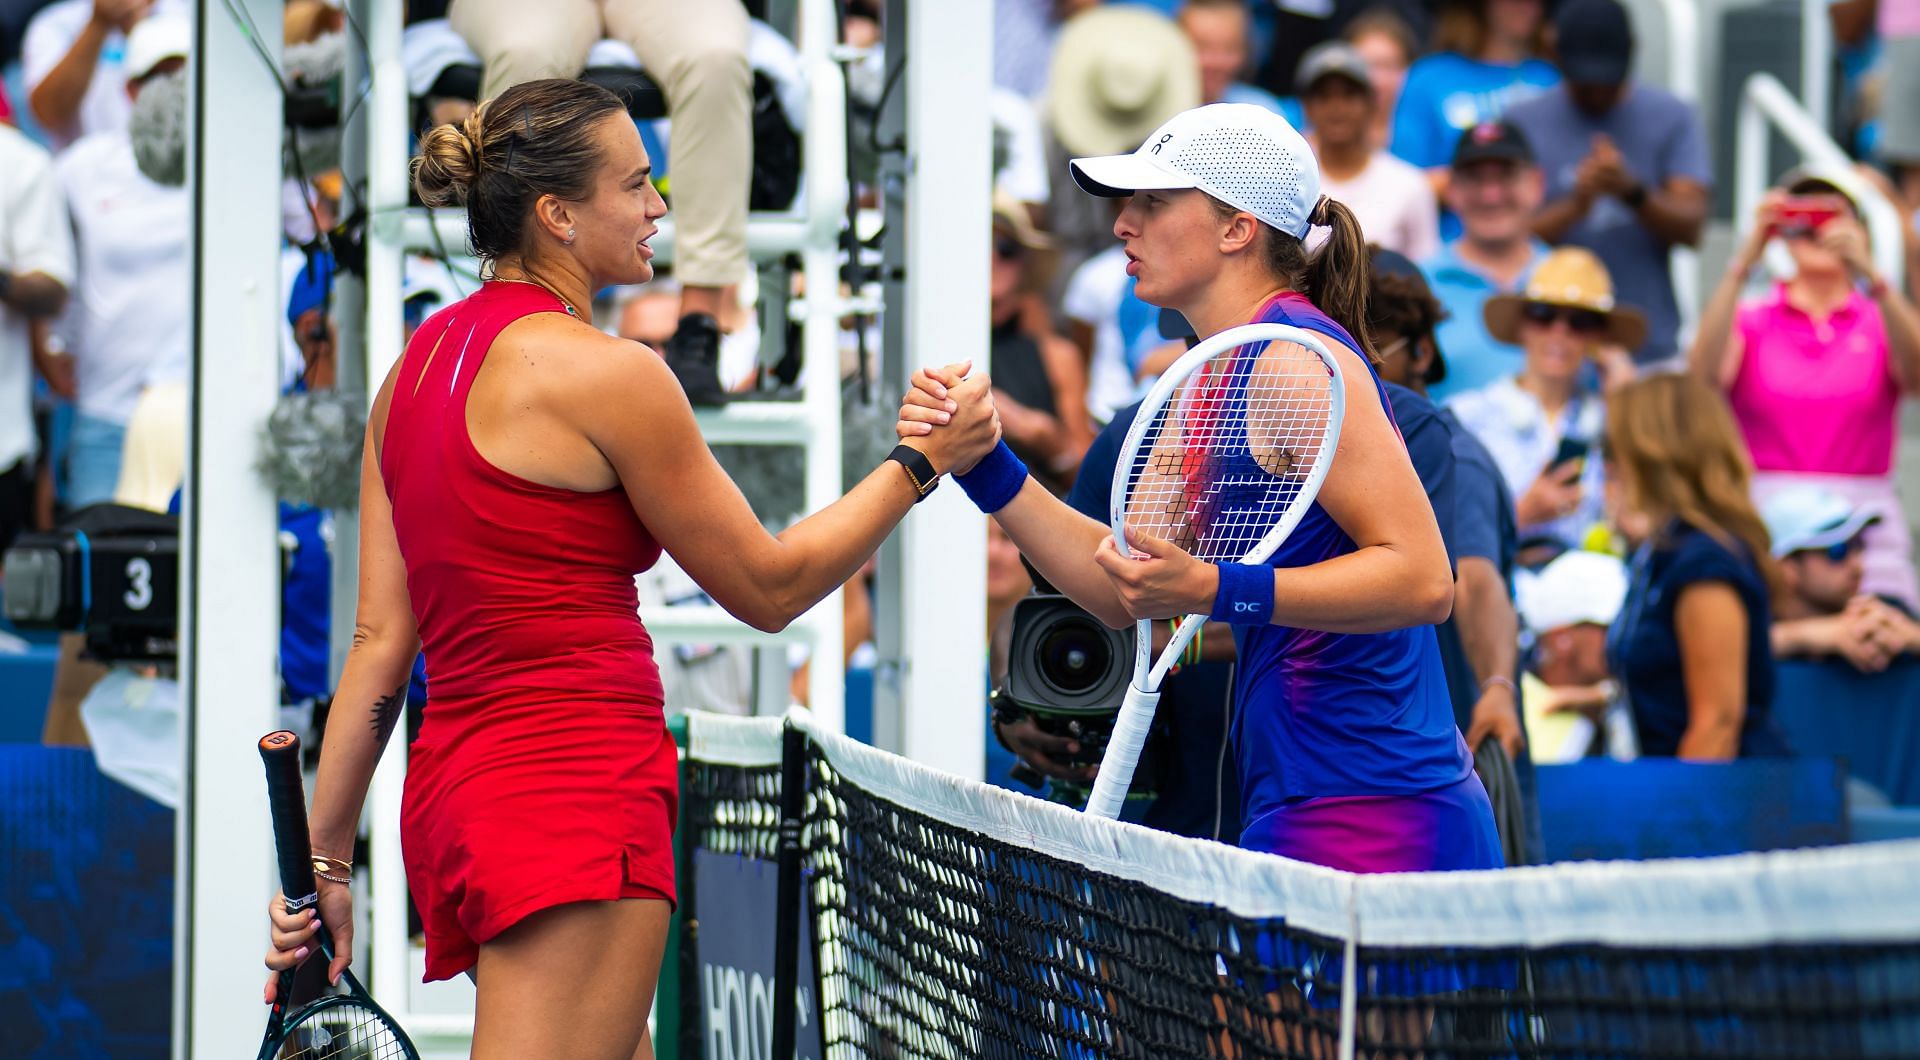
520 468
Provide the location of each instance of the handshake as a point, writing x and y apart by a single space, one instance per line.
949 417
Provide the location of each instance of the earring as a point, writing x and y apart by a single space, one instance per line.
569 239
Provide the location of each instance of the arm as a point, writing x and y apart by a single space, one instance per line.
371 698
700 517
1710 624
1903 335
1397 575
1490 631
33 294
1558 217
55 99
1675 212
1068 374
1717 346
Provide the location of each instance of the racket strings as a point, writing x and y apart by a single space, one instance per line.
1231 450
342 1032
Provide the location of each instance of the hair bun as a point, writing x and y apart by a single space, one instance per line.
448 162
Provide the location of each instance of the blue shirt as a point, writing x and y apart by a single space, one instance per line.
1474 357
1288 108
1446 94
1199 793
1483 514
1644 649
1660 138
1338 713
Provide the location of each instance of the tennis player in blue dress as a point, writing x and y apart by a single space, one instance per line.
1344 733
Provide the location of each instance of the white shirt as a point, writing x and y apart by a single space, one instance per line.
128 323
1394 203
1093 298
50 36
33 238
1523 440
1024 175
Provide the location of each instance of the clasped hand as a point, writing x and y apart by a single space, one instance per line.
949 416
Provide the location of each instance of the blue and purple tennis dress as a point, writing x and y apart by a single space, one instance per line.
1348 751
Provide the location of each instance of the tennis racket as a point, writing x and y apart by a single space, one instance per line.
1224 458
342 1025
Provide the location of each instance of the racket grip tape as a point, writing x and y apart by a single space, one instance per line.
287 801
1130 730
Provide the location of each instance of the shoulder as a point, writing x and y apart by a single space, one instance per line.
1241 92
1695 556
91 156
22 160
1438 66
1539 72
57 25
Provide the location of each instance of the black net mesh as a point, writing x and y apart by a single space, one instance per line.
938 941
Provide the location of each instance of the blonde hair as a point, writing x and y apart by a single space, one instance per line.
1680 456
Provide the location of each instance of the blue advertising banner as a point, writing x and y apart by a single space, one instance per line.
735 899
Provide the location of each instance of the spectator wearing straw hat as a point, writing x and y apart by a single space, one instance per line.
1626 165
1390 197
1118 72
1815 369
1567 689
1543 423
1819 540
1494 188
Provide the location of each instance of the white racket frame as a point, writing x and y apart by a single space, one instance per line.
1143 693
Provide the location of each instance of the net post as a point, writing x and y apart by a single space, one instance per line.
788 918
1350 978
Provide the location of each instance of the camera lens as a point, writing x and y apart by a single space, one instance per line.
1074 655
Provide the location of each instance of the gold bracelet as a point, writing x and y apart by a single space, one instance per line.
321 863
331 878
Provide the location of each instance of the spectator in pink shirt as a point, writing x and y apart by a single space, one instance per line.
1815 368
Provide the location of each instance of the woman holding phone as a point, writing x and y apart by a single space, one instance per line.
1542 424
1815 368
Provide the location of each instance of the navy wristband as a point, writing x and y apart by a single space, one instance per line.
1245 596
995 480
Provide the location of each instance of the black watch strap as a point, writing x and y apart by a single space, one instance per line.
1635 197
919 470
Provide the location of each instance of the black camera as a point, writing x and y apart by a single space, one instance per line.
112 572
1068 671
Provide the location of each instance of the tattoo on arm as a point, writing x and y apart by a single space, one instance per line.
386 713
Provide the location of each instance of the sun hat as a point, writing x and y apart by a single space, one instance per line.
1244 155
1043 257
1118 71
1571 277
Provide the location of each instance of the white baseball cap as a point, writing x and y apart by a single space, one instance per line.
154 40
1804 517
1577 587
1244 155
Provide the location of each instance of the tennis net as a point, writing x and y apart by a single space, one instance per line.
950 919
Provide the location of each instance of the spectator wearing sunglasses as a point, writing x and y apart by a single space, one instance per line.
1815 368
1819 538
1542 424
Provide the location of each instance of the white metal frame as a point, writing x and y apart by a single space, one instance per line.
1764 103
1684 80
230 563
811 229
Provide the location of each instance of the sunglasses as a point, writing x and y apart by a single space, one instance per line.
1579 321
1007 248
1838 553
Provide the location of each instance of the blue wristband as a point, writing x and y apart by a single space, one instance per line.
995 480
1245 596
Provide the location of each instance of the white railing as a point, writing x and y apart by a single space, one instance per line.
439 1016
1765 103
1683 80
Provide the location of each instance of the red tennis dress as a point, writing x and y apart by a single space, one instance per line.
543 773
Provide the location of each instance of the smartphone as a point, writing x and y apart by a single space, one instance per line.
1572 450
1804 214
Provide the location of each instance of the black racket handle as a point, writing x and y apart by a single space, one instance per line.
287 799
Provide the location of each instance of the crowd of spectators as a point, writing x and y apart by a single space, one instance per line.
1645 519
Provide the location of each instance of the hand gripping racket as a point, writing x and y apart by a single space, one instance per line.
1224 458
345 1025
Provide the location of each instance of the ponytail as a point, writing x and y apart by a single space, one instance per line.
1339 277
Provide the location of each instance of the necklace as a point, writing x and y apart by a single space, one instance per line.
572 312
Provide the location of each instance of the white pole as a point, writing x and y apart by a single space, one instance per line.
230 554
943 684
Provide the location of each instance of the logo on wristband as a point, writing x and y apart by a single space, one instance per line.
1245 607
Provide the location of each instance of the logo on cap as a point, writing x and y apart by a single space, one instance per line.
1486 132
